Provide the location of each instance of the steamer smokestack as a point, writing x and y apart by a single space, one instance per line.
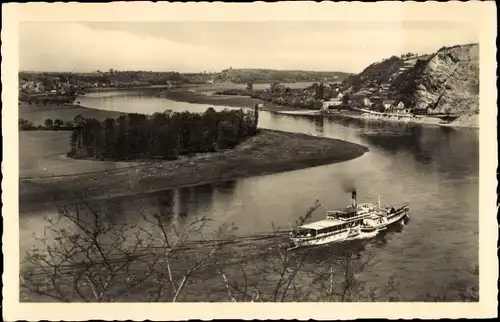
353 197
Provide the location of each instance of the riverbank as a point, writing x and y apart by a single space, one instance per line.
206 95
422 120
266 153
465 121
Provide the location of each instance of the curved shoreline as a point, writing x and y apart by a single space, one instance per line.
267 153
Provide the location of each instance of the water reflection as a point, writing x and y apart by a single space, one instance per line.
454 151
225 187
175 207
195 199
330 253
319 125
113 210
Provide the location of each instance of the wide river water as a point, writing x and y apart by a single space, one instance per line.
435 170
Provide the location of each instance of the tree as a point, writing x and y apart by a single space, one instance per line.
48 123
102 262
58 123
319 91
256 116
25 125
110 138
275 86
346 99
165 135
79 120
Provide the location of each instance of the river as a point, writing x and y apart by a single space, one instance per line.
435 170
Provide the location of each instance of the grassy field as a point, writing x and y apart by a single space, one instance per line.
43 154
39 113
267 152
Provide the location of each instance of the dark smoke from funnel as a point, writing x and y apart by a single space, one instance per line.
348 186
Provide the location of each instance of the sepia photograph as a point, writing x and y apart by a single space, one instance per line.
212 156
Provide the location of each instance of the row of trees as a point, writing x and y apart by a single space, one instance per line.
163 135
49 124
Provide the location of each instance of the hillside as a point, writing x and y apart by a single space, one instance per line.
115 78
282 76
446 81
50 80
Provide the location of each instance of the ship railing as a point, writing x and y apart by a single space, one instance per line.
360 216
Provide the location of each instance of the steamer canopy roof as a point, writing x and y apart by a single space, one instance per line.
322 224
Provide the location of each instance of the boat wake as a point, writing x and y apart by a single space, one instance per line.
364 235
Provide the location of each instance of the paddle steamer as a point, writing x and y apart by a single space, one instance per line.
356 221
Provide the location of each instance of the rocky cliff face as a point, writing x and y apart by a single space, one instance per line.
444 82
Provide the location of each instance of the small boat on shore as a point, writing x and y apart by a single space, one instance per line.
356 221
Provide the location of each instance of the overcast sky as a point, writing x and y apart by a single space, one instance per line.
212 46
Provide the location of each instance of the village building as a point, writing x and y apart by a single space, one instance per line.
331 103
29 86
388 104
39 88
335 101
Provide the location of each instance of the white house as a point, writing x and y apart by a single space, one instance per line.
366 102
335 102
388 104
331 102
38 88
